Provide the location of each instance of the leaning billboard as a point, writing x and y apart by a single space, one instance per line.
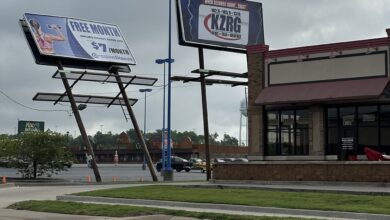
218 24
78 39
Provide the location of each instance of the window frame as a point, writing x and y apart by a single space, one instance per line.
358 149
292 151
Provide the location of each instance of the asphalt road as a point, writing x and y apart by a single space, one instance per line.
122 172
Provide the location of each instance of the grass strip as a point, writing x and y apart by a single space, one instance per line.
254 197
126 211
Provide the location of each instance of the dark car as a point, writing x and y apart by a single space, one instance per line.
177 163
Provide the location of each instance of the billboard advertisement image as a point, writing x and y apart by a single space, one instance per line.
30 126
78 39
216 24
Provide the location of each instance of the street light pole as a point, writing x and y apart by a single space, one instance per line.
168 174
163 147
145 91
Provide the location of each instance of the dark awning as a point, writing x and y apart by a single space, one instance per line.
323 91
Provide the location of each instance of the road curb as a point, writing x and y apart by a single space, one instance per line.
249 210
286 188
7 185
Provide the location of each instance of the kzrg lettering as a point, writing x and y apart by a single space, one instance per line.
224 24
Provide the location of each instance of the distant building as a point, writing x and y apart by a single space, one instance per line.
128 152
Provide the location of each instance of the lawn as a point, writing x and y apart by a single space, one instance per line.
254 197
125 211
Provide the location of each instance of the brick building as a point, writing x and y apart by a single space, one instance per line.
312 108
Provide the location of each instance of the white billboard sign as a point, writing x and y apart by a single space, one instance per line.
79 39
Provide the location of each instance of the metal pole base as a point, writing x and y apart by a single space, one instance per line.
167 174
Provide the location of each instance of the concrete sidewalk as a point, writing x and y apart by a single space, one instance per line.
8 214
226 209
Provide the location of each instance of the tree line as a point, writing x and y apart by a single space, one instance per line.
109 140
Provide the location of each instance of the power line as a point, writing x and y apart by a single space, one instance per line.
28 107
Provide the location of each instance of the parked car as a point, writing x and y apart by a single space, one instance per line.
177 163
4 163
243 160
218 160
228 159
198 164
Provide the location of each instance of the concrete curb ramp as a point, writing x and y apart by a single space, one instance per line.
227 209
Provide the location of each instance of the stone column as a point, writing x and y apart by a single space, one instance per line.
316 131
256 82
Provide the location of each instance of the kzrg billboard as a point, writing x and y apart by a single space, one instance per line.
220 24
63 37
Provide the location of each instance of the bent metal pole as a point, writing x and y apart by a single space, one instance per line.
136 127
79 123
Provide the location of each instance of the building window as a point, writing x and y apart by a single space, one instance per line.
287 132
365 125
302 132
385 128
368 132
273 135
333 134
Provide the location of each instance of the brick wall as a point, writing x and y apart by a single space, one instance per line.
221 151
356 171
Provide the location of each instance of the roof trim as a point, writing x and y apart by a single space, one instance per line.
321 48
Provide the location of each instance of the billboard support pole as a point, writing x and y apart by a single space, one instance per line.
135 124
205 114
79 123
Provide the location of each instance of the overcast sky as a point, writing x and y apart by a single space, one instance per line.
144 24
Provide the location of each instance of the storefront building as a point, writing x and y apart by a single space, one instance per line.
319 103
312 111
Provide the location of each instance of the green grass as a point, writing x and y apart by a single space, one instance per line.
254 197
125 211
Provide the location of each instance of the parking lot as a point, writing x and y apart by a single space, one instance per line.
122 172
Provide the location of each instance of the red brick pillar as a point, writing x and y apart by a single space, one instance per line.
256 81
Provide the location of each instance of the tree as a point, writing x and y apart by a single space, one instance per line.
229 140
133 136
178 136
106 141
8 147
213 138
37 153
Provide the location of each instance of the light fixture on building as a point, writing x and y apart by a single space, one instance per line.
371 49
334 54
302 57
299 59
271 60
